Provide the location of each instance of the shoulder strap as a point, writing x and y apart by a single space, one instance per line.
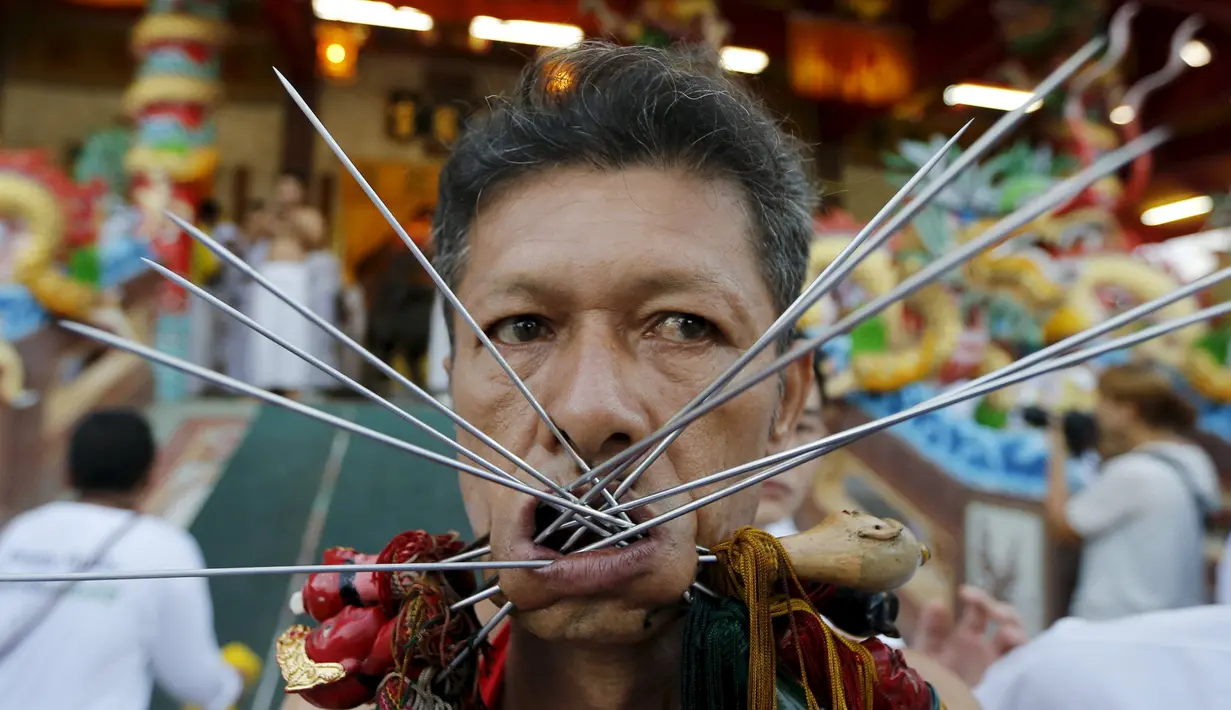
14 641
1186 478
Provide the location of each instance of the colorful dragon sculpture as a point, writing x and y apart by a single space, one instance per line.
48 260
1057 276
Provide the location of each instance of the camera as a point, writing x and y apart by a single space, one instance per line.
1080 428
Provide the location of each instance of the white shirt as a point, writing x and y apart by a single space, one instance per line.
105 643
1168 659
1222 585
1142 533
782 528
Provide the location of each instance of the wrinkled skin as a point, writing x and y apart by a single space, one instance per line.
617 296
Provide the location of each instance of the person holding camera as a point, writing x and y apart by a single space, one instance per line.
1141 520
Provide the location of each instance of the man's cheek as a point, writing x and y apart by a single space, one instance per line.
718 521
478 508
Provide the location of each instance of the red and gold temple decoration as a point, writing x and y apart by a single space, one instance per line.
846 61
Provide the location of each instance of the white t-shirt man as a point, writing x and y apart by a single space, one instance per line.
1143 539
104 644
1167 659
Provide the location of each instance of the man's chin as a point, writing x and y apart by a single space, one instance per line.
599 621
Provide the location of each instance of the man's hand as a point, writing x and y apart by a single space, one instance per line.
966 647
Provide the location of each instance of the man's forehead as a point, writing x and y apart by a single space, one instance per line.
612 208
639 231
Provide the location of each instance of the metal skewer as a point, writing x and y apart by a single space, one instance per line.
788 460
800 454
1057 194
984 143
445 566
1113 323
822 284
426 263
233 260
316 362
614 467
245 388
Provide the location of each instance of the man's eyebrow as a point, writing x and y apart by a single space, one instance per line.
644 286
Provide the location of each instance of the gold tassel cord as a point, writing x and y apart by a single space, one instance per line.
756 568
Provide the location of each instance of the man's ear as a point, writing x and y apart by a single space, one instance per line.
447 363
797 382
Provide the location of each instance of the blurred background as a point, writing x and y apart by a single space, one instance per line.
113 111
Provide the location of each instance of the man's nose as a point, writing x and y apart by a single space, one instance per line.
594 400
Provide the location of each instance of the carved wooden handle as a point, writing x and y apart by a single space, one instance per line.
856 551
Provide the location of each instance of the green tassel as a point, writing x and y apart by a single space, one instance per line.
715 667
790 693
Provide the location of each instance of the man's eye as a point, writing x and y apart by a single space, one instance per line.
685 328
519 329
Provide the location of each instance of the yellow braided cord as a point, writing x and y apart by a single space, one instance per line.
752 563
751 566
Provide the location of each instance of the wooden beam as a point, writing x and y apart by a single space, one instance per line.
962 46
291 22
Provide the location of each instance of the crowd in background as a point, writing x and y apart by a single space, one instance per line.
387 306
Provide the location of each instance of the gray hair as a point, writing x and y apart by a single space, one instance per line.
613 107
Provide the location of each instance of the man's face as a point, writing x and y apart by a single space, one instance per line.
617 297
1114 420
783 495
288 191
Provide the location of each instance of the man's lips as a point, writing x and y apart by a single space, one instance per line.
596 573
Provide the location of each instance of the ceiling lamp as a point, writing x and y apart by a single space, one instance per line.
1196 53
1122 115
1178 210
335 53
337 49
993 97
744 60
542 34
371 12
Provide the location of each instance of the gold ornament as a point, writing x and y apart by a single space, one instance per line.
299 671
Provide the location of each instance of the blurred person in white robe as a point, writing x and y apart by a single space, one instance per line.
325 275
290 231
